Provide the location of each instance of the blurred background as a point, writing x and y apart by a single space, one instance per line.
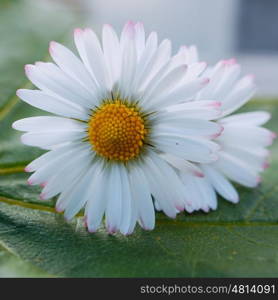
244 29
221 29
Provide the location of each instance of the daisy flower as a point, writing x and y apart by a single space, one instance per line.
243 154
121 115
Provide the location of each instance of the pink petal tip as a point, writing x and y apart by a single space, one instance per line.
27 68
251 77
231 61
205 81
91 230
129 29
221 130
273 135
18 92
52 45
184 47
78 31
87 29
215 104
30 182
265 165
180 208
205 209
236 200
199 174
111 230
129 23
108 25
42 196
216 135
58 209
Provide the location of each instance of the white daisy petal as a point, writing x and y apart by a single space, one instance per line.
215 75
135 127
208 104
176 61
191 127
182 165
139 38
96 59
128 215
157 206
43 174
204 110
242 92
234 169
156 62
254 159
50 79
142 199
91 53
192 200
165 85
231 74
52 104
46 140
43 159
195 70
188 148
181 93
192 54
158 188
69 200
247 136
112 52
80 194
201 192
113 212
146 57
48 124
188 55
80 45
96 205
255 118
242 154
177 187
73 67
126 33
67 176
220 183
129 61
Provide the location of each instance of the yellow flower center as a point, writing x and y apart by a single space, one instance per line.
117 131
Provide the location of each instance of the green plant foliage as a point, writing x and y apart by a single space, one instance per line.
236 240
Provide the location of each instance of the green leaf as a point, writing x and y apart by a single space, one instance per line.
236 240
26 28
12 266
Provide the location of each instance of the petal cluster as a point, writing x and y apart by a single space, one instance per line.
121 87
243 153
